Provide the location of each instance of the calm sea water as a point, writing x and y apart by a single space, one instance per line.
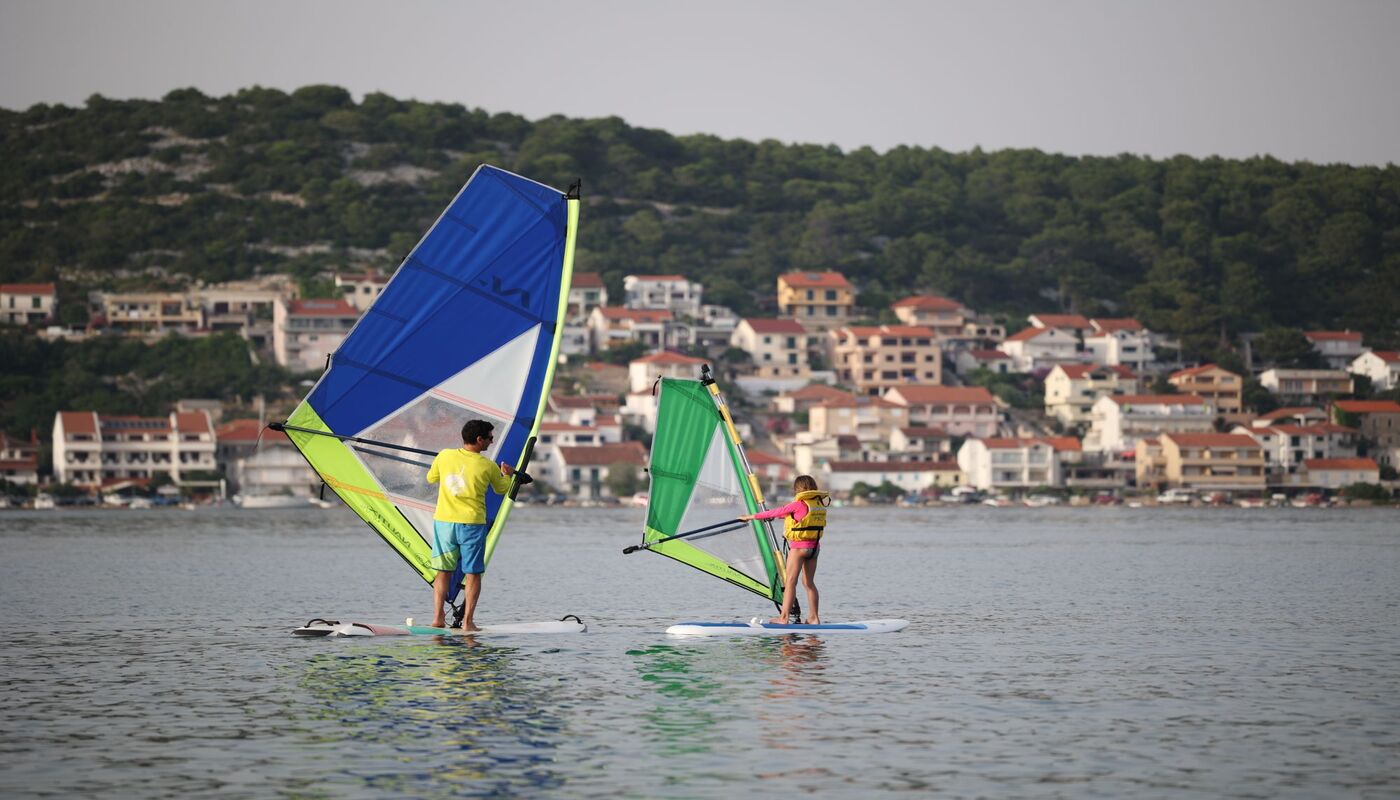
1099 652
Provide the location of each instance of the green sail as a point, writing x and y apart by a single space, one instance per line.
698 479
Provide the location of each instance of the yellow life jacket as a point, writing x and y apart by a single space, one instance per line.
810 527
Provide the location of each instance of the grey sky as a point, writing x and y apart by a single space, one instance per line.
1310 81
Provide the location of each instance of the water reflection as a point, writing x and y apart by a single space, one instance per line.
445 716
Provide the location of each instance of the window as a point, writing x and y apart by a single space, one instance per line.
831 294
38 302
811 295
831 311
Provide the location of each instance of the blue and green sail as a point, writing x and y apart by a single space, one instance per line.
468 327
701 478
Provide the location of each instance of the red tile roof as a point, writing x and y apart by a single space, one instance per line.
1340 463
1191 371
587 280
603 455
1293 411
988 355
856 401
815 280
1007 443
1332 336
1212 440
192 422
928 302
766 325
922 394
79 422
1157 399
927 432
893 466
657 277
667 357
1077 371
1116 324
322 308
27 288
1368 406
758 458
1060 320
247 430
1026 334
1388 356
1067 444
816 391
583 400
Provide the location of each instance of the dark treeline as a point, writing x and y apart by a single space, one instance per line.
221 187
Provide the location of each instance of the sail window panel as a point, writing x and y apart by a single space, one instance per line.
719 496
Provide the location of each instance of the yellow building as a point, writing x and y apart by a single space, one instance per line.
1221 388
1212 461
875 359
819 300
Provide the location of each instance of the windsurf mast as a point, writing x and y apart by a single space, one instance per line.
468 327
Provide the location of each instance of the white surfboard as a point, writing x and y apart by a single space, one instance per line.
760 627
321 627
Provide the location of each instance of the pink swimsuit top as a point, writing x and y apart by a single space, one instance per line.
797 510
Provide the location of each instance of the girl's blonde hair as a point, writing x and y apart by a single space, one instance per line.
804 483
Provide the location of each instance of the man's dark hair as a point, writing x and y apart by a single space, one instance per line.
475 429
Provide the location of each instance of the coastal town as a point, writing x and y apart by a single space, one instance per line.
930 402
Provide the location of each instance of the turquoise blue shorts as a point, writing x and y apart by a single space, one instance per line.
457 544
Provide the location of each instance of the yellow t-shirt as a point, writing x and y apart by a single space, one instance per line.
468 503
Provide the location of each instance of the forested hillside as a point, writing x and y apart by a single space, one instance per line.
222 187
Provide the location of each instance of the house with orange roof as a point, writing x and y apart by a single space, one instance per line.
258 461
1287 445
801 400
1010 465
306 332
821 301
1336 473
944 316
913 477
89 449
19 459
969 360
1337 348
1040 347
1210 462
872 359
1073 324
545 463
586 292
1381 366
774 473
361 289
585 470
920 443
1379 423
869 419
1221 387
674 293
1306 385
585 409
1117 422
613 325
1072 389
1294 415
960 410
644 372
28 303
1115 342
778 348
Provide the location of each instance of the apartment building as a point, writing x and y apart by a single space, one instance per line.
959 410
1072 389
1118 421
90 450
1306 385
1042 348
28 303
873 359
1286 446
945 317
778 347
612 325
19 459
306 332
671 292
1379 424
152 312
1009 464
1211 461
1220 387
869 419
1337 348
821 301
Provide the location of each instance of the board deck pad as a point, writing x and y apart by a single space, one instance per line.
760 627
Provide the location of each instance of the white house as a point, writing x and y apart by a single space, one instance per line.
1337 348
960 410
911 476
1334 473
944 316
545 463
611 325
1074 324
1287 446
361 289
1306 385
584 471
27 303
1033 348
919 444
643 372
19 460
869 419
1009 464
778 347
258 461
1381 366
671 292
1072 389
1116 342
305 332
586 292
1119 421
969 361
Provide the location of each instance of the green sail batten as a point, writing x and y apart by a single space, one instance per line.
343 473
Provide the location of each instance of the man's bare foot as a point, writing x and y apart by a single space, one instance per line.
470 627
779 621
438 623
813 621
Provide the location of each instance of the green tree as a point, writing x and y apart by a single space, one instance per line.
623 479
1286 347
